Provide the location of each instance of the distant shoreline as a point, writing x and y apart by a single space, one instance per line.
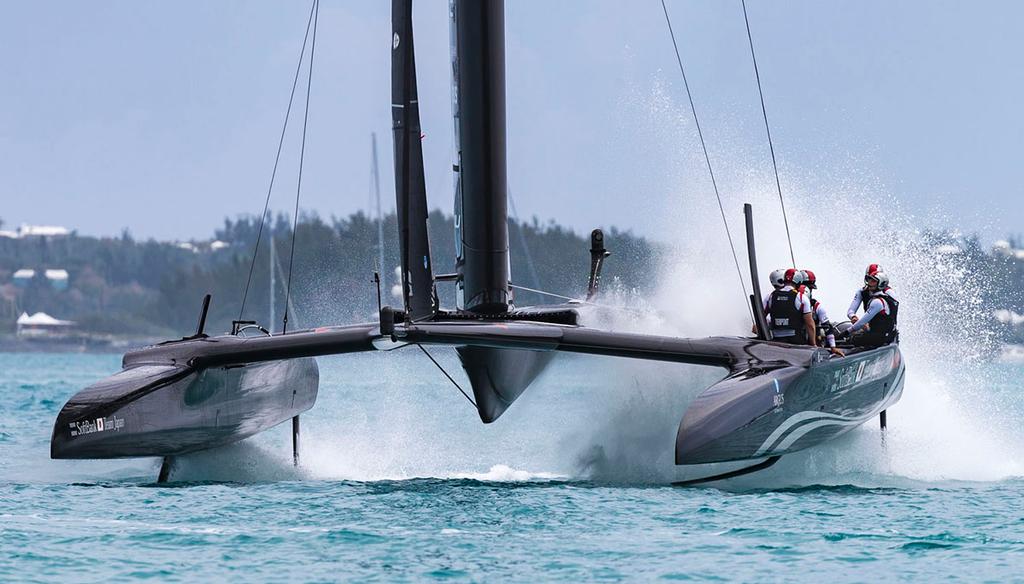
114 346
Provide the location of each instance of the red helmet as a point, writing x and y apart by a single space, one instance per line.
795 276
872 269
810 280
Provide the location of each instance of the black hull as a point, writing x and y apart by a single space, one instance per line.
753 414
189 411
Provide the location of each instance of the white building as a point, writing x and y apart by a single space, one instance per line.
1003 248
41 324
26 230
23 276
58 279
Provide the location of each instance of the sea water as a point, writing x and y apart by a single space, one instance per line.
399 480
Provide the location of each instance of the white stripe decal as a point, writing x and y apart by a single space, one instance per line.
822 420
792 421
799 432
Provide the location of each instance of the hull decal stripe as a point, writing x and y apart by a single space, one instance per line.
817 419
802 430
793 421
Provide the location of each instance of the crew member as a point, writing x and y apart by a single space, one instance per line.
789 312
862 296
778 280
823 328
878 326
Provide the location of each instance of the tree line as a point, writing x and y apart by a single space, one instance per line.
120 285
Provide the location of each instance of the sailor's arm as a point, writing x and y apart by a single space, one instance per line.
830 337
804 304
874 308
812 337
851 312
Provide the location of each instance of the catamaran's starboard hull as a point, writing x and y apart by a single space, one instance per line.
753 414
168 410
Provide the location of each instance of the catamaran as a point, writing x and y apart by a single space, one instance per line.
202 392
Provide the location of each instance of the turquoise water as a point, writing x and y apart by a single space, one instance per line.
400 481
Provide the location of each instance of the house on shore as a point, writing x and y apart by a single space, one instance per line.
42 325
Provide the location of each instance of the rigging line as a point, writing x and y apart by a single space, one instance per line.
302 157
293 314
522 240
277 159
707 159
457 386
577 300
552 294
767 129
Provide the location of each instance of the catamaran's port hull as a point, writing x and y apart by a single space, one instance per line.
169 410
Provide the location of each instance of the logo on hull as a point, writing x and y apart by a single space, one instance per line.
112 423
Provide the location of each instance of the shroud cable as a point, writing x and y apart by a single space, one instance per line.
277 159
455 383
768 130
707 159
302 157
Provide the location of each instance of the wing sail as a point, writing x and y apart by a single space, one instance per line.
410 186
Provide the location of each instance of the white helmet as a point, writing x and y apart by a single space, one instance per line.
883 279
778 278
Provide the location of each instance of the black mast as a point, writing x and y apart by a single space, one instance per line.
410 188
478 67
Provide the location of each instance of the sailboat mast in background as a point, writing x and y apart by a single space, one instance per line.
380 215
273 261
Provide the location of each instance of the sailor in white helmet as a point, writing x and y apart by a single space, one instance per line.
878 326
778 280
789 312
861 296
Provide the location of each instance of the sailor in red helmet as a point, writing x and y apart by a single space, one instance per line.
789 312
824 329
878 326
862 296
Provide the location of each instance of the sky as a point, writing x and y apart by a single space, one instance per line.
163 117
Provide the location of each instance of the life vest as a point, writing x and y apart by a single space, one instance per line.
882 329
865 296
787 322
